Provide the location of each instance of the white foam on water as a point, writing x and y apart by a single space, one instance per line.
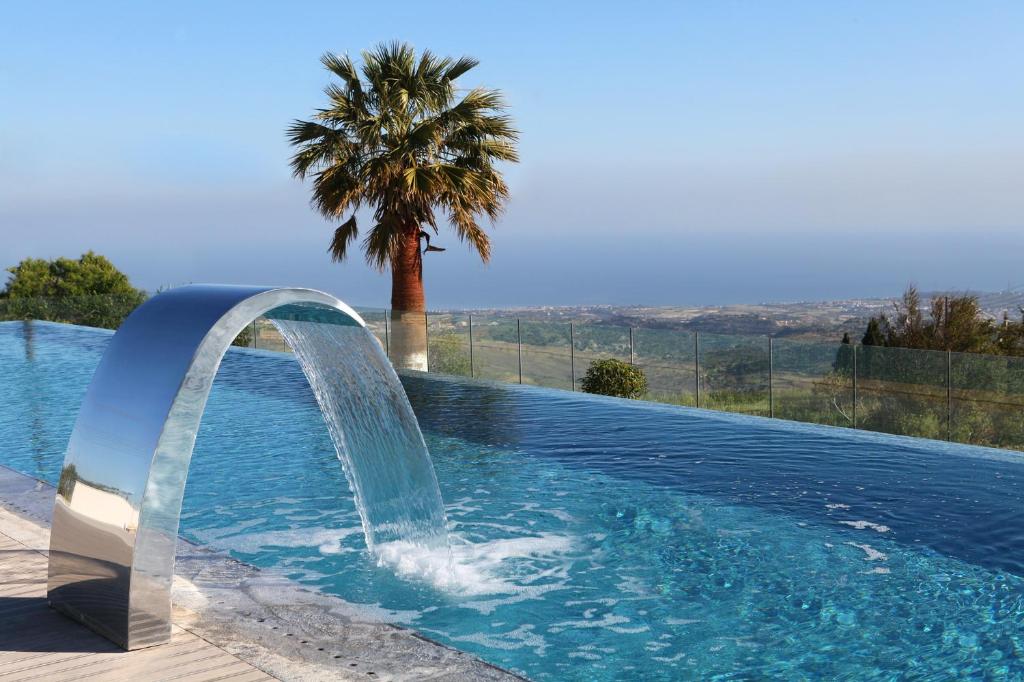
461 506
861 525
482 568
327 540
604 601
475 525
335 546
377 613
610 621
523 594
871 554
522 637
538 508
586 655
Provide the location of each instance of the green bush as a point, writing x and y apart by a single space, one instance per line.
615 378
89 275
88 291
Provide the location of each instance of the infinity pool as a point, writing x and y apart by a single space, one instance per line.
598 539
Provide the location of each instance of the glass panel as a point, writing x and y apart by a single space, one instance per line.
902 391
734 373
598 342
547 359
899 390
813 382
448 344
267 337
495 348
407 340
987 400
667 358
376 322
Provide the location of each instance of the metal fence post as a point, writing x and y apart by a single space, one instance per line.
387 340
855 385
472 371
696 365
572 355
426 333
771 379
519 344
631 345
949 392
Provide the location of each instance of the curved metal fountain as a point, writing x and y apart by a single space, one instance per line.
115 518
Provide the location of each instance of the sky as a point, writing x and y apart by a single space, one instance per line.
676 153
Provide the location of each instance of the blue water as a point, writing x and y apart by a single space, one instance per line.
598 539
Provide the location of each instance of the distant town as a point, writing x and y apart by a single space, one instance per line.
799 319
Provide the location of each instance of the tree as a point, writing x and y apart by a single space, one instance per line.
908 330
395 138
89 291
90 275
873 335
844 357
955 323
1010 335
615 378
958 324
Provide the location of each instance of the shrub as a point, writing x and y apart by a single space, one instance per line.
615 378
88 291
90 275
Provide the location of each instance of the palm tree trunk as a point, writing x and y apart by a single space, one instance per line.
408 306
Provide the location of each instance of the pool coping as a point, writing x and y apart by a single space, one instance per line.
275 624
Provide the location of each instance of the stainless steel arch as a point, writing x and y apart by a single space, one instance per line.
115 518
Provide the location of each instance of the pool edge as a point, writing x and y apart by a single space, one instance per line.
285 629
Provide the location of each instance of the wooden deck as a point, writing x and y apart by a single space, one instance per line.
37 643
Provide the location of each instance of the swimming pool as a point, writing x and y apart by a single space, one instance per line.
598 538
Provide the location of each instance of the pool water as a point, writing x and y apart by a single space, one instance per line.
599 539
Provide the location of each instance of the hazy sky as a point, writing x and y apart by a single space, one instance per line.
672 153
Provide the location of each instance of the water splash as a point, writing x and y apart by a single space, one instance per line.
487 567
374 431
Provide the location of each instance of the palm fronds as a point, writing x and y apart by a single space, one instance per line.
395 136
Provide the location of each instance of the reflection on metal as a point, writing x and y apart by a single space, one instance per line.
115 519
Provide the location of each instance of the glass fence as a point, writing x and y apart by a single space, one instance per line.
960 397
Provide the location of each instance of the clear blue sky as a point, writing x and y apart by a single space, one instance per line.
677 152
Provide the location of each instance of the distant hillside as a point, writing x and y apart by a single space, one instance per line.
803 319
994 304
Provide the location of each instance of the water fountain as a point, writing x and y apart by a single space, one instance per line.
115 518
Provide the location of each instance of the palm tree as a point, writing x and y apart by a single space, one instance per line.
398 139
